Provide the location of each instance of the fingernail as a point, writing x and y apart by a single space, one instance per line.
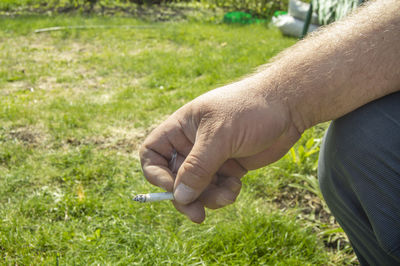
184 194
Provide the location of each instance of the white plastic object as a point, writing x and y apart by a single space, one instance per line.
291 26
299 10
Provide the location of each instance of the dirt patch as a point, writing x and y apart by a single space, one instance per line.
314 212
48 83
123 140
17 86
28 135
309 203
72 77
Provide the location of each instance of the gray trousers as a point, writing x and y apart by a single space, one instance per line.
359 174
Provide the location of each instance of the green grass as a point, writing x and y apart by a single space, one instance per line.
74 107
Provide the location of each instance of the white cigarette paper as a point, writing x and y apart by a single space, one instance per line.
151 197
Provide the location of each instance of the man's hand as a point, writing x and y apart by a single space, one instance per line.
218 137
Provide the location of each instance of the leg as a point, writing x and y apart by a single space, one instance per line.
359 173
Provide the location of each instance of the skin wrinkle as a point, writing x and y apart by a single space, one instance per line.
186 132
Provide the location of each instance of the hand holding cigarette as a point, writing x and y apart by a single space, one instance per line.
153 197
218 137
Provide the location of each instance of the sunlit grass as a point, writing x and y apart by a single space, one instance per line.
74 107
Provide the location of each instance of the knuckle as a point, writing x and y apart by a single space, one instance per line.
197 173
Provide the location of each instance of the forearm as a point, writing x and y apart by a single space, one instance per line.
340 68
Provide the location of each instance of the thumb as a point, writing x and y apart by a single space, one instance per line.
198 169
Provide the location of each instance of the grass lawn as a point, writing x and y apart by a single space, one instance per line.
74 107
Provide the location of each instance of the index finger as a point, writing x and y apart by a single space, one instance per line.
155 169
157 151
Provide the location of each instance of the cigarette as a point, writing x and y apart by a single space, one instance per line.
152 197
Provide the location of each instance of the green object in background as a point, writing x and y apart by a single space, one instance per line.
280 13
241 18
238 17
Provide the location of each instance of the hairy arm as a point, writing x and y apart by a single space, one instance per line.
246 125
340 68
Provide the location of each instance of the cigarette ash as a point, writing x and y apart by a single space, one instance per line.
140 198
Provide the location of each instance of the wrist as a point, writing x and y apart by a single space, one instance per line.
284 95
